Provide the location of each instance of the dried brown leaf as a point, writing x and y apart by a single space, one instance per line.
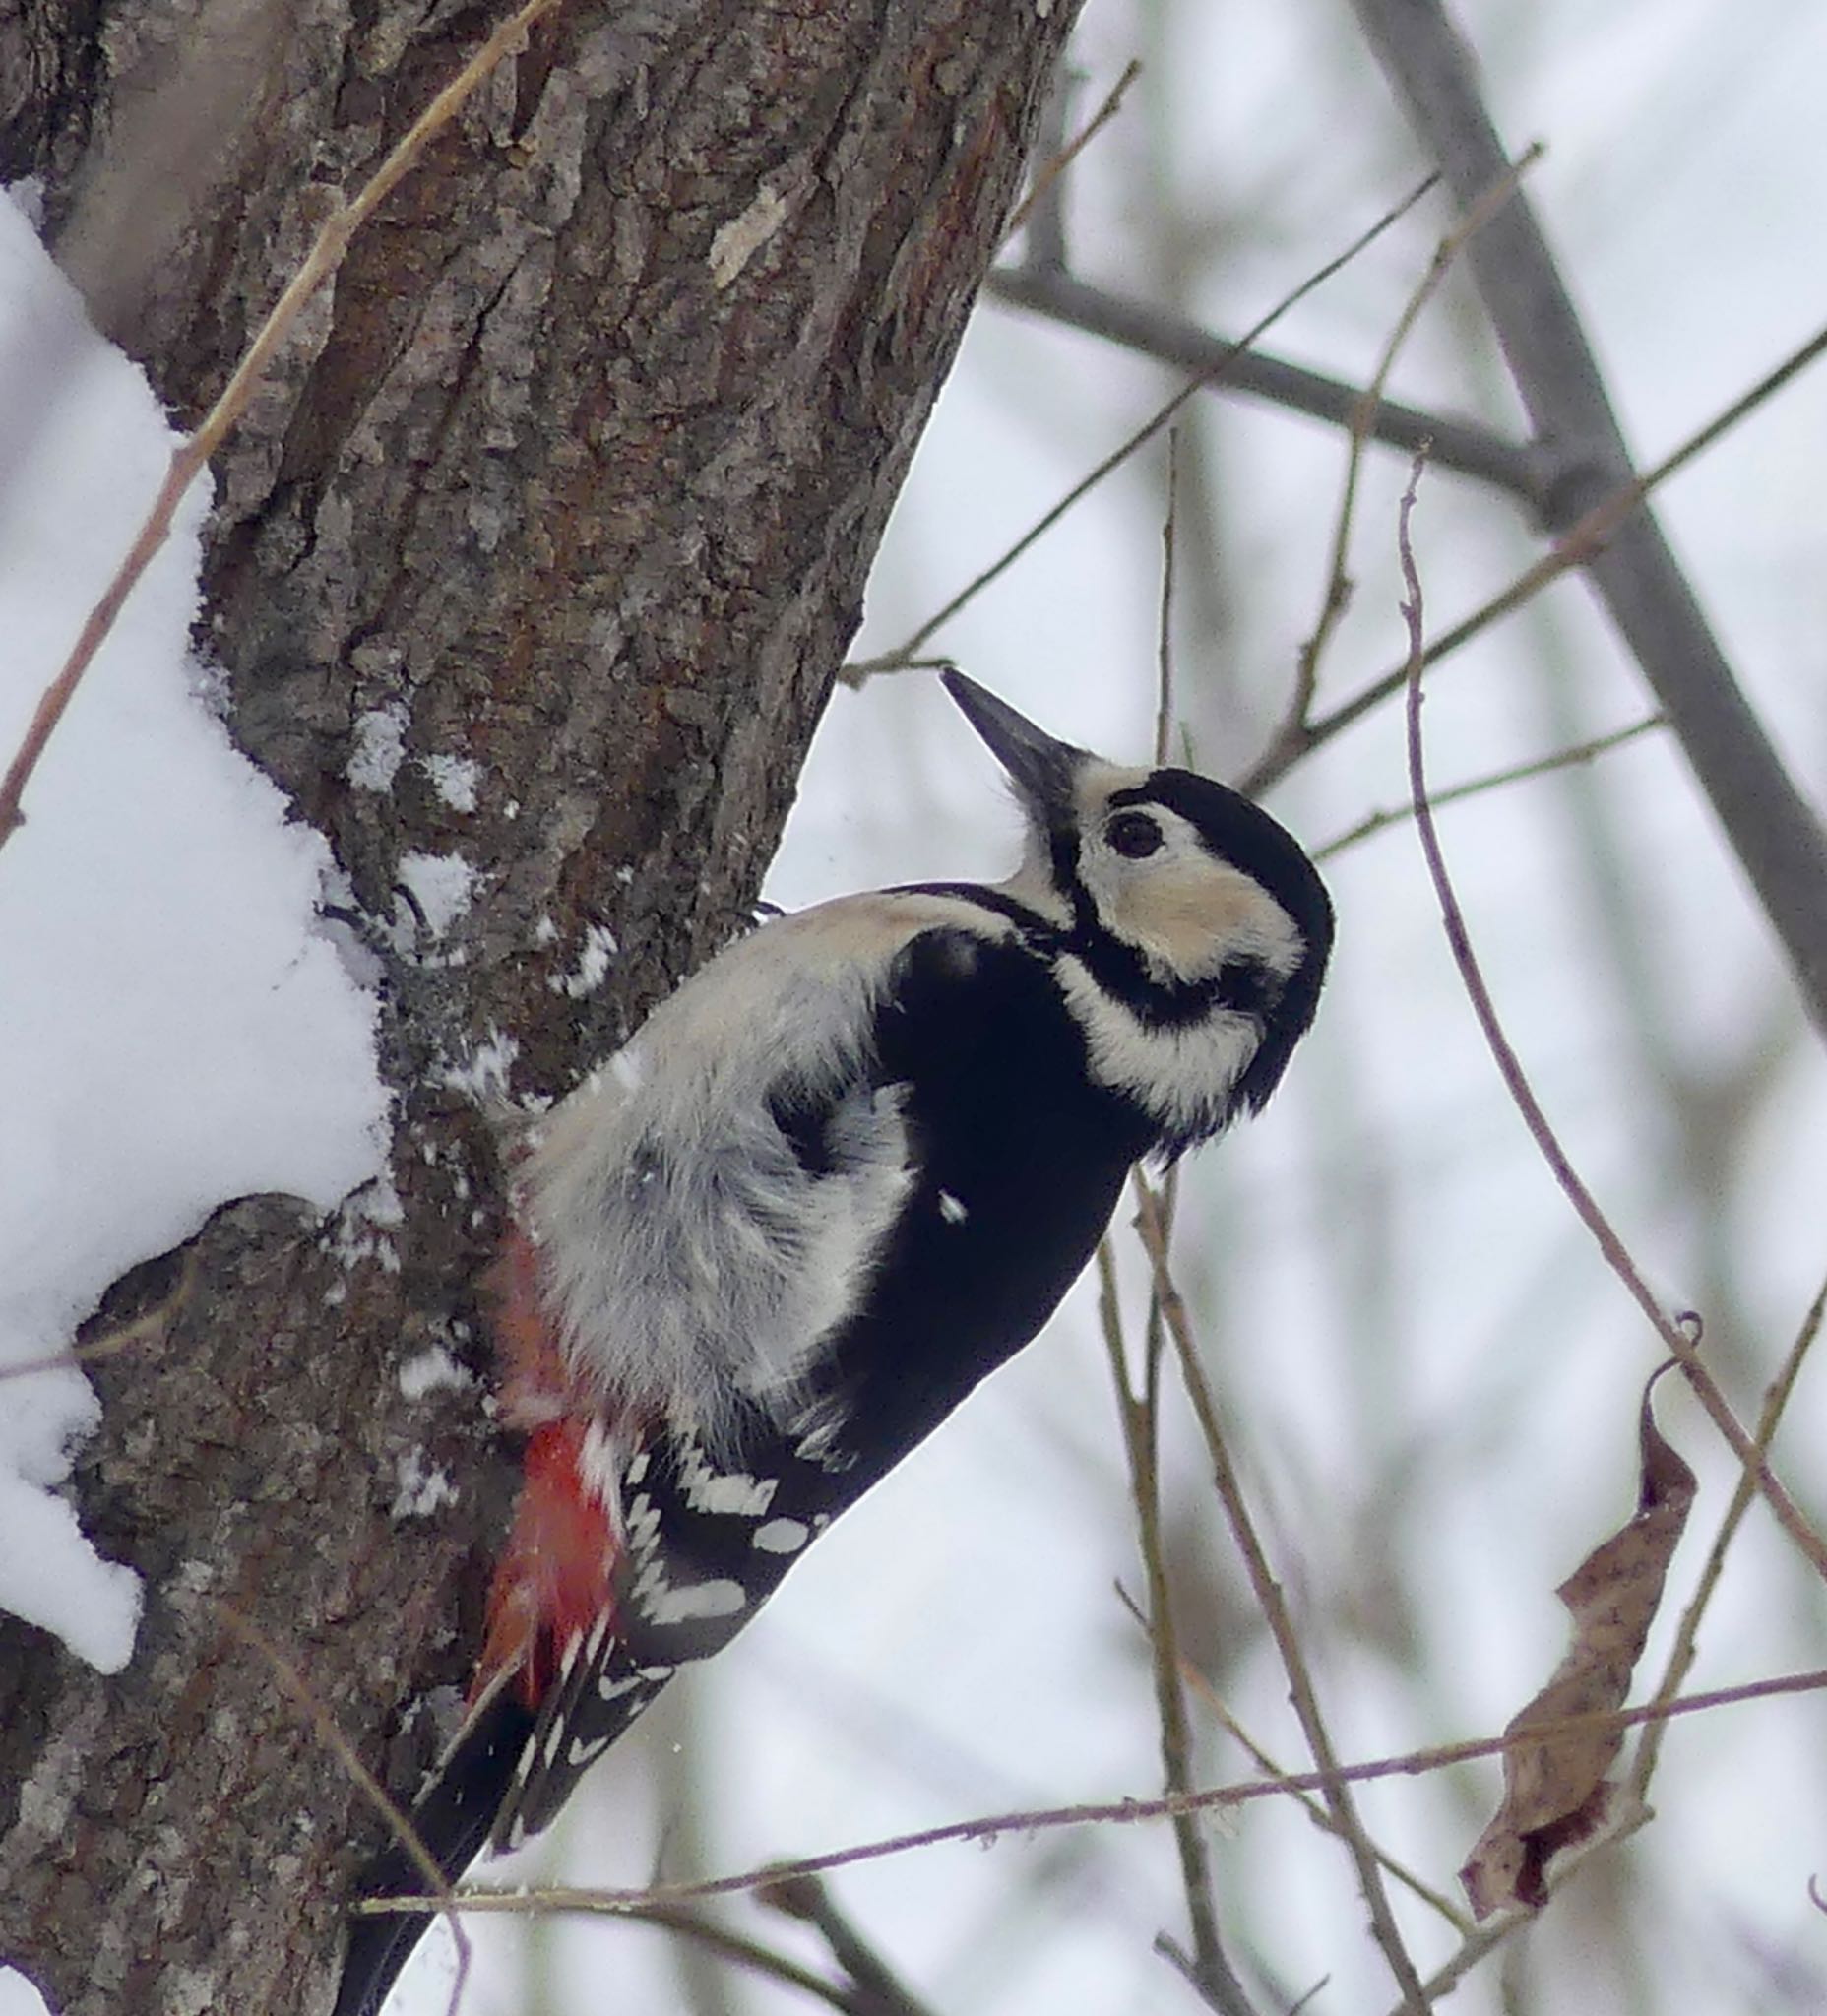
1555 1792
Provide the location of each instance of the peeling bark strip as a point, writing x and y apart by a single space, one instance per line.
1555 1792
568 488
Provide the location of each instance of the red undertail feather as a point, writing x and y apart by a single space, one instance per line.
537 1386
553 1581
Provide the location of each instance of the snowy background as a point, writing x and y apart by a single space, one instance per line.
1432 1377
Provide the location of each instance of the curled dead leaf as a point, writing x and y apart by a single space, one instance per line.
1555 1792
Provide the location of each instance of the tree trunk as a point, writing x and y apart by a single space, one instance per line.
575 473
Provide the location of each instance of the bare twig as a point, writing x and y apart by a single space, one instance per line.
1673 1333
1483 1941
1226 365
439 1896
1050 171
1575 547
1139 1419
1216 1707
1274 1606
1115 1812
750 1953
1338 591
874 1987
1476 787
1138 1408
1774 831
894 660
190 455
1187 1968
1163 637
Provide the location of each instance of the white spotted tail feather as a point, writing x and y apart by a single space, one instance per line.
631 1553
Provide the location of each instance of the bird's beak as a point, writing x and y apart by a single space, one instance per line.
1039 767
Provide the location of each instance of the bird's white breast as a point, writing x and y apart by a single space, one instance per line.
689 1257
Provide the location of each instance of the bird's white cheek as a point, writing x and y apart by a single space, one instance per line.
1188 920
1182 1076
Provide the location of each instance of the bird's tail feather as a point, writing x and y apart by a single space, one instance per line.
451 1821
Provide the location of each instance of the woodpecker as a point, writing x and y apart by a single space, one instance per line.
840 1176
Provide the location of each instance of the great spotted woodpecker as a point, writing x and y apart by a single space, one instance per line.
841 1175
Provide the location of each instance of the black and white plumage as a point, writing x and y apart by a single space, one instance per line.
846 1171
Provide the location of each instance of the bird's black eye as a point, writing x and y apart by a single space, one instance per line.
1133 834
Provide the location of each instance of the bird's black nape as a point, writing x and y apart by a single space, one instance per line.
453 1823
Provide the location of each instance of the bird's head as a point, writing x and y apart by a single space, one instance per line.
1183 900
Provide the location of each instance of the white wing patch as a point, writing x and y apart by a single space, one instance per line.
655 1595
697 1600
781 1536
735 1493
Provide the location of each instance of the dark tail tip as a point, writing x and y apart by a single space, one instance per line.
451 1819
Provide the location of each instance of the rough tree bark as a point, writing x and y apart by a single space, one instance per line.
577 473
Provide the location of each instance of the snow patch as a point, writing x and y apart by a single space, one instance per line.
174 1029
484 1078
429 1371
440 886
380 748
455 779
594 960
364 1226
425 1488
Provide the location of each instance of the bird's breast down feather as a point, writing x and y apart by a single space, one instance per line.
691 1255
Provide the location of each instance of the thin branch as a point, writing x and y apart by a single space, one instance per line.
1138 1418
1274 1606
1476 787
1197 1682
1771 826
894 660
1483 1941
1673 1333
190 456
1118 1812
1138 1415
1163 635
1338 591
1575 549
1223 364
440 1897
1410 1879
1050 172
1187 1968
1208 1967
875 1989
750 1953
145 1327
1687 1633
